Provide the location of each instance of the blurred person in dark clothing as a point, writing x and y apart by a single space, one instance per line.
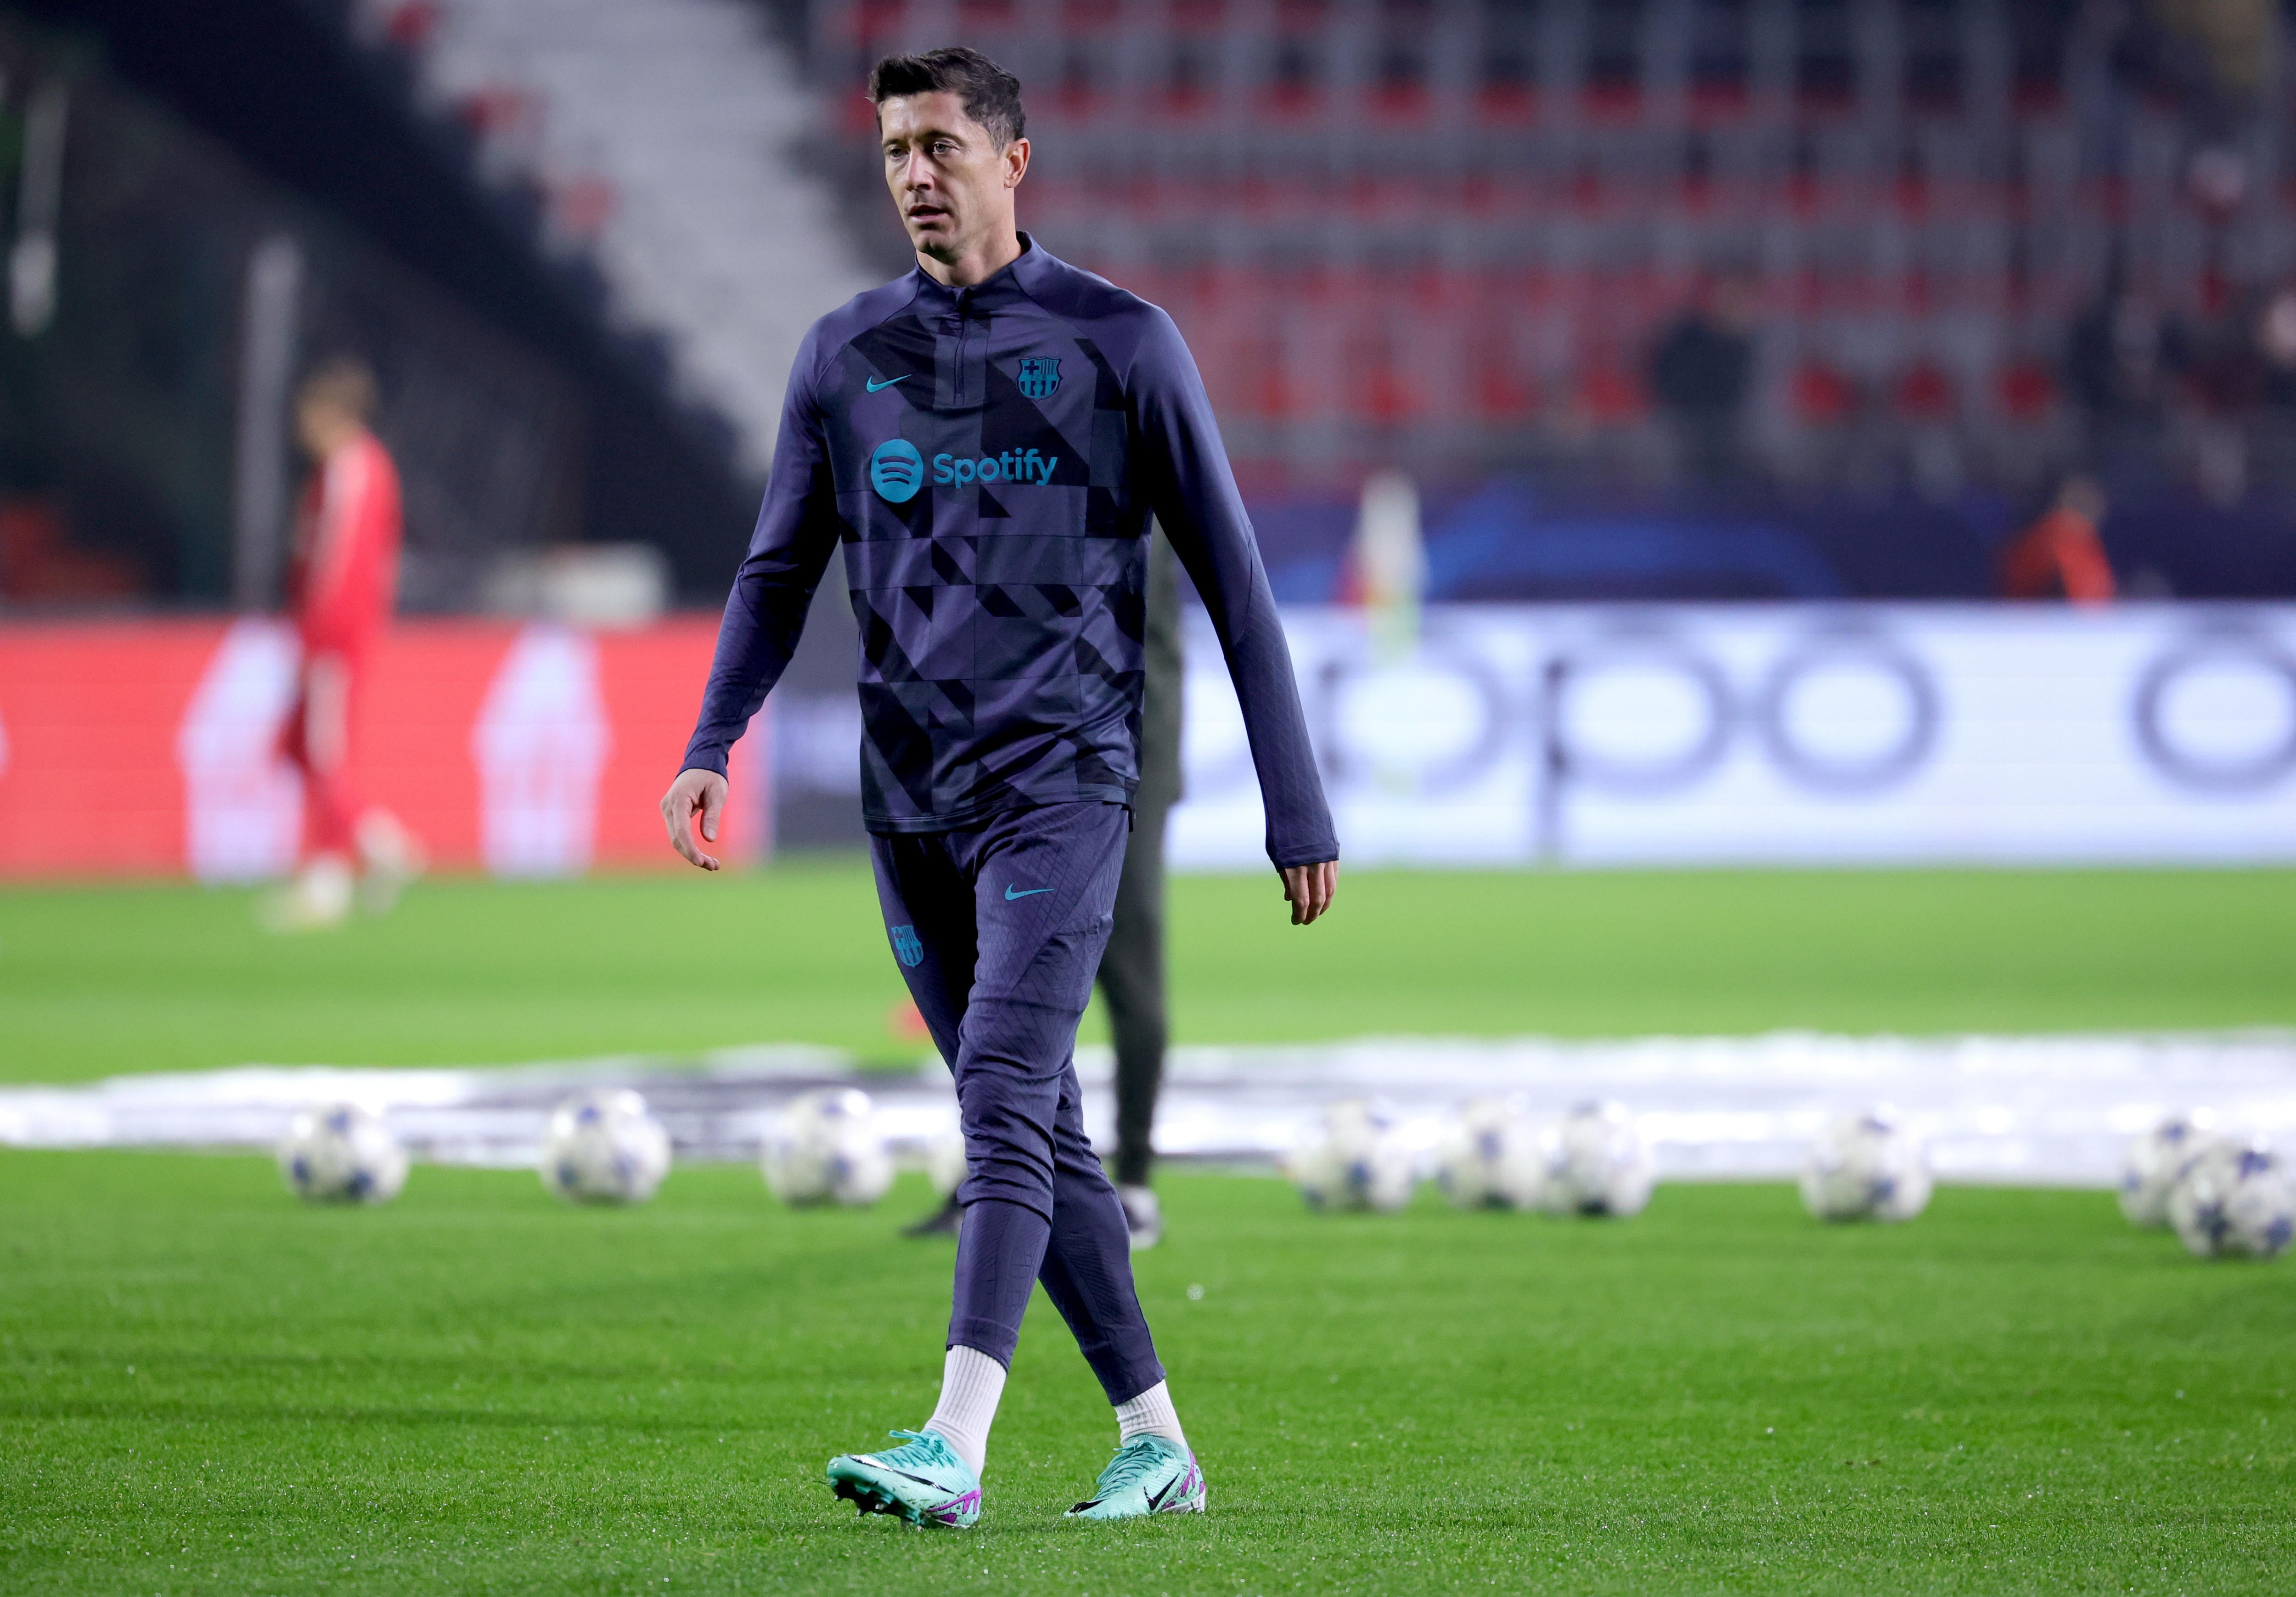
1700 371
342 583
1131 967
2122 357
2274 334
2225 380
2060 556
2235 362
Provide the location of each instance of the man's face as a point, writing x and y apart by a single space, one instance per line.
951 183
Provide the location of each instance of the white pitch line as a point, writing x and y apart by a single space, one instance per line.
2049 1110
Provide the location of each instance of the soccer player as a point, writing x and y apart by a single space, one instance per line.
2061 555
341 582
988 437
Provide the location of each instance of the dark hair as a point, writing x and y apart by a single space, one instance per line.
991 95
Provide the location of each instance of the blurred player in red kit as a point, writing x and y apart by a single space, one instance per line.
342 579
2060 556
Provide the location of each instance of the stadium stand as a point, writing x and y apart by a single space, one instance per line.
1452 234
487 247
1654 298
658 132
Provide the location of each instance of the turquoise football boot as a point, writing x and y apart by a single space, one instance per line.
923 1481
1148 1475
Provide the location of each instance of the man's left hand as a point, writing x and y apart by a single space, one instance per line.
1309 890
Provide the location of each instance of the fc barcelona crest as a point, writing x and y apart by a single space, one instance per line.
1038 375
906 945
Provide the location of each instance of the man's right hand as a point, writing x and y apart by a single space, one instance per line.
695 791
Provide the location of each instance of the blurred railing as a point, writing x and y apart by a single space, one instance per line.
152 345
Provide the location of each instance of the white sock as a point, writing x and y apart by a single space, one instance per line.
1150 1414
970 1383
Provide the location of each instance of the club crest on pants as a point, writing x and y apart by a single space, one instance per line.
906 945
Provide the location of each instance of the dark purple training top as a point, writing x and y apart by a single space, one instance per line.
991 459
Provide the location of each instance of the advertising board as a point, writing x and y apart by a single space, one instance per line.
152 747
1670 734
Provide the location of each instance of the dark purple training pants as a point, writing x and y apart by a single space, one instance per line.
998 928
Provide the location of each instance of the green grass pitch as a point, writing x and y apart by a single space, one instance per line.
97 980
205 1387
208 1389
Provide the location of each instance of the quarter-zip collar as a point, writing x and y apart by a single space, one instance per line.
1008 285
960 318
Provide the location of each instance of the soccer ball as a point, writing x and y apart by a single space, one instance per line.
1492 1158
945 1162
2155 1162
2235 1200
1599 1165
1866 1168
340 1153
605 1147
1352 1161
827 1149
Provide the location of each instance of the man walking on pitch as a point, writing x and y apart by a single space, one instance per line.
988 436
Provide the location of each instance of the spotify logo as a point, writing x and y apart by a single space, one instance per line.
897 471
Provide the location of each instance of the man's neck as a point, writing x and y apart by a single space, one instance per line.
978 265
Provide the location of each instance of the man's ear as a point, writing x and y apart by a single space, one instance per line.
1016 163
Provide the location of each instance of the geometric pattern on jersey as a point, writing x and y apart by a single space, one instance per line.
1017 603
991 459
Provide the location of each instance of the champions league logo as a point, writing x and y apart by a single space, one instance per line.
1038 375
897 471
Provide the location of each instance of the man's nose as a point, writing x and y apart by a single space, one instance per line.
917 173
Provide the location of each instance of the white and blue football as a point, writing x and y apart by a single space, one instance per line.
1493 1159
1352 1160
605 1147
1866 1167
2237 1201
826 1148
1598 1163
341 1153
2157 1160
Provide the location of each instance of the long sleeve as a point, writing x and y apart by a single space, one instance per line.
1184 468
797 529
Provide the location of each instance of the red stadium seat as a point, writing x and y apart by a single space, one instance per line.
1925 393
2025 391
1823 397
